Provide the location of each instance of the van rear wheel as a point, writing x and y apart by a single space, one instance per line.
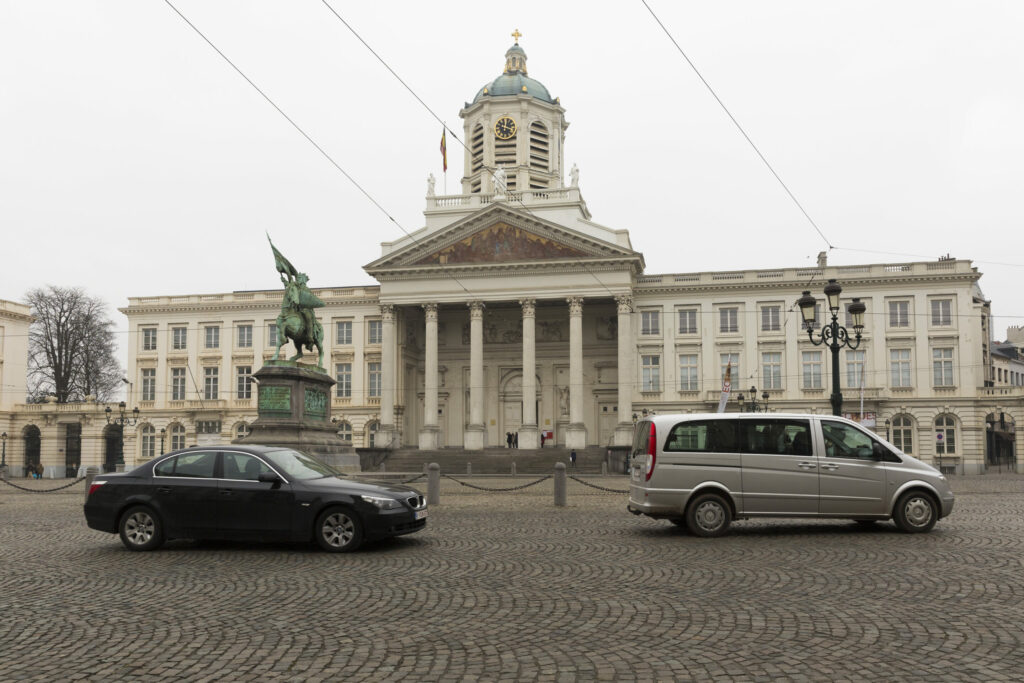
708 515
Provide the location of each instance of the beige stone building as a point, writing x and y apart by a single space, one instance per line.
513 311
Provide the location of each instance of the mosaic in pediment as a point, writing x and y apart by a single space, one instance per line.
499 243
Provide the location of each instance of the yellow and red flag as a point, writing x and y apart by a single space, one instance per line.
726 388
444 150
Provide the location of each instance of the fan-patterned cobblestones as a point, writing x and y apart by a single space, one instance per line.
508 587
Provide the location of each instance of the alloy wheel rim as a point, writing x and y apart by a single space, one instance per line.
338 530
139 528
710 516
918 511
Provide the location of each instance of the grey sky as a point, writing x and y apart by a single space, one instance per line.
135 162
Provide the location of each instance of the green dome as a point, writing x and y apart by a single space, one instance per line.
515 81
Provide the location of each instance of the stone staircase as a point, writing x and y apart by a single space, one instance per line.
454 461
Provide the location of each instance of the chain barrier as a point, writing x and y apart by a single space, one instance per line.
595 486
43 490
484 488
409 481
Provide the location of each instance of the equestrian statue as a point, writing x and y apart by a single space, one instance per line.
296 320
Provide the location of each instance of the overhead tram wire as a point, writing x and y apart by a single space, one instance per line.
307 136
518 200
738 126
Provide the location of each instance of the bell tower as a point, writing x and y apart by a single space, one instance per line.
514 123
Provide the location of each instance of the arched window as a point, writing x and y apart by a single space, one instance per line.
540 153
371 432
177 437
242 430
903 433
945 435
148 441
345 430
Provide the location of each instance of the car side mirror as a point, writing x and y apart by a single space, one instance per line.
268 477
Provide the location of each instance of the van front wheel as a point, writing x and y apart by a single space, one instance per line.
915 513
708 515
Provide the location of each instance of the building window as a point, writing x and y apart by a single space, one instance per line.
245 336
177 437
179 338
650 322
942 312
688 321
728 320
343 333
688 372
177 384
771 318
374 331
811 369
148 441
343 375
942 365
899 367
345 430
242 431
899 314
855 369
771 367
212 337
272 335
149 385
149 339
945 435
208 427
373 379
903 433
211 380
651 372
730 361
243 384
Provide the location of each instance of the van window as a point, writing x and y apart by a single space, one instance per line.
776 437
641 432
845 441
703 436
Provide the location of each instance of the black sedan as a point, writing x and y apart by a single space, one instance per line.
260 493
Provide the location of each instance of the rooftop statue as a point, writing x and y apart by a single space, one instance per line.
296 320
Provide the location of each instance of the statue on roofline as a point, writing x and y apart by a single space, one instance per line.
296 320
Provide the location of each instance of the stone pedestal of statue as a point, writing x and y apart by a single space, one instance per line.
294 408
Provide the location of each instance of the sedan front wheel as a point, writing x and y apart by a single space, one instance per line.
338 530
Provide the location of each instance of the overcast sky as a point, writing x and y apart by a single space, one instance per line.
134 161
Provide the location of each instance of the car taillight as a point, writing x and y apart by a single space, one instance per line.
652 449
95 485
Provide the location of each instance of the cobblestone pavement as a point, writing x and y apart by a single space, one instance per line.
506 586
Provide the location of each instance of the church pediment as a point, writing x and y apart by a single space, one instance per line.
500 243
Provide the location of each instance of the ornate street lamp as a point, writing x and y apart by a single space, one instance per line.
3 458
122 420
163 431
833 335
754 406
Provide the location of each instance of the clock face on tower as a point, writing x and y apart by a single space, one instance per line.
504 128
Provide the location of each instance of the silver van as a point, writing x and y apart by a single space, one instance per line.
705 470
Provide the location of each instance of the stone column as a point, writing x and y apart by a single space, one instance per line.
529 435
430 434
475 435
627 349
387 434
576 434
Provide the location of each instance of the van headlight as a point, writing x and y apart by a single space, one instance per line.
382 502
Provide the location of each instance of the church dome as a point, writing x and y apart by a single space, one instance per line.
514 80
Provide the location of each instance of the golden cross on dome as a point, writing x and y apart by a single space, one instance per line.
517 35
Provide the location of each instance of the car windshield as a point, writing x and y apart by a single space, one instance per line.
301 466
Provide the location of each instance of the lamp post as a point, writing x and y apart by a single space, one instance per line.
3 458
163 431
833 335
122 420
754 406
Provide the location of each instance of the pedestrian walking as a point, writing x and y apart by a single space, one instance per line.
508 439
39 470
572 458
515 440
542 439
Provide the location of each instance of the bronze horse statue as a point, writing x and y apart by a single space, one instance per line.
296 320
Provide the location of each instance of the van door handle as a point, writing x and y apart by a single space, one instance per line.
163 489
806 465
830 466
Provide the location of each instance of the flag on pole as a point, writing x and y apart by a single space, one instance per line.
444 150
726 388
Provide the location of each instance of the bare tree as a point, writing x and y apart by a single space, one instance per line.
71 346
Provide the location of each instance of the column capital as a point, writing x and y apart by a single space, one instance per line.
476 309
625 303
430 311
575 305
529 307
387 311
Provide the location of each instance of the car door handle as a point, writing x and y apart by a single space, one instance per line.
806 465
163 489
227 492
830 466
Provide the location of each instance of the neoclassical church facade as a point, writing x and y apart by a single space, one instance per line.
512 311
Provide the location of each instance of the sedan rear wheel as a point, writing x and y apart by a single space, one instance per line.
140 529
338 530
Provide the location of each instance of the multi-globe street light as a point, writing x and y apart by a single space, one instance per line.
833 335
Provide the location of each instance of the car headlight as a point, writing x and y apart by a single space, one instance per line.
382 502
